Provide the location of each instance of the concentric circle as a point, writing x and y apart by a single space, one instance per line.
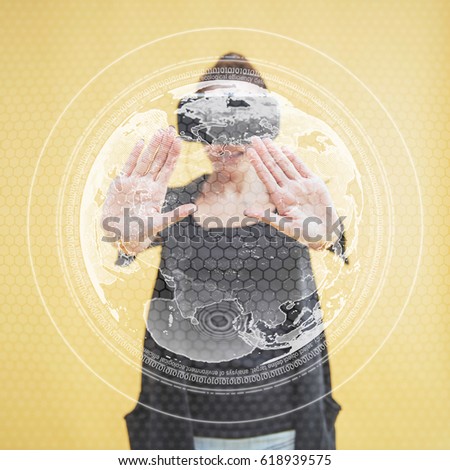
343 132
222 321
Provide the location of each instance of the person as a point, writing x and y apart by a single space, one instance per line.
236 275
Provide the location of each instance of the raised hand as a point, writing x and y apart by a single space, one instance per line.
138 193
305 210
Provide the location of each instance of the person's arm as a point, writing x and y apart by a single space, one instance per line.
124 258
339 246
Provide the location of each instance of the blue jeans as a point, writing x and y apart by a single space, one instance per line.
284 440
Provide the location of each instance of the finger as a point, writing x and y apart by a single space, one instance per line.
169 165
283 161
178 214
262 171
163 152
297 162
268 160
133 158
148 154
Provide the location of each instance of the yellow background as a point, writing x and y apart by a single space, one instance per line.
51 49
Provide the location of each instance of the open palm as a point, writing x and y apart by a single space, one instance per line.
138 193
304 206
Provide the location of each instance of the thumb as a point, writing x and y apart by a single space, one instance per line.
178 214
266 216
